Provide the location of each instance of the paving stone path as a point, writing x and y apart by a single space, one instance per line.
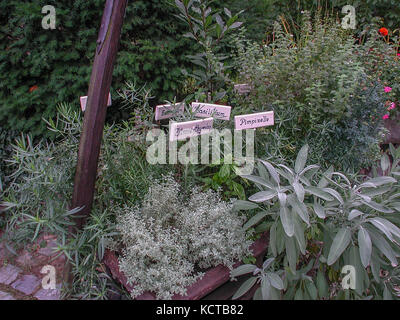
21 277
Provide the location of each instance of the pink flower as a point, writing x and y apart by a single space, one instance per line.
392 106
398 54
386 116
388 89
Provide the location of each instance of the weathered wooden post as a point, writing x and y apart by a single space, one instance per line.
95 113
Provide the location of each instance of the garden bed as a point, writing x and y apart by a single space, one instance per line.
213 279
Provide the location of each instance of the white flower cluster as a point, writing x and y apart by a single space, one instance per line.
168 237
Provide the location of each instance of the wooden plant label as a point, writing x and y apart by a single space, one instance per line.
205 110
84 102
166 111
242 88
188 129
254 120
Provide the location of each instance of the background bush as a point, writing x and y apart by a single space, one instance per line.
322 92
152 49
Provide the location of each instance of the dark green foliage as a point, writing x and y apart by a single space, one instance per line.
59 61
357 138
6 138
324 90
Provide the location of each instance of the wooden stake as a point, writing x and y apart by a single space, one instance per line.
95 114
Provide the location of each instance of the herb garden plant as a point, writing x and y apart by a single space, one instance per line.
321 223
168 224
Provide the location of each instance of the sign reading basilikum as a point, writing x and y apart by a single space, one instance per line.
205 110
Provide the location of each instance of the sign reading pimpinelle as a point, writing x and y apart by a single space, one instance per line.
84 101
166 111
205 110
188 129
254 120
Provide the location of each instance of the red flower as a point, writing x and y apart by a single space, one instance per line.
31 89
383 31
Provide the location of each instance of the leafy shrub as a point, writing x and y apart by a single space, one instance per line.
322 223
37 198
41 68
168 236
317 86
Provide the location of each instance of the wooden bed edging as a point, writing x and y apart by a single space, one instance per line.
212 279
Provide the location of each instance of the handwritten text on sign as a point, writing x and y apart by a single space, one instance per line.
243 88
184 130
255 120
205 110
84 101
166 111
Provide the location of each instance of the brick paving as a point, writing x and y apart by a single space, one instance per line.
21 277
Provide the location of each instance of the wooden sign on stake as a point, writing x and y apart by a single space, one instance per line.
242 88
188 129
205 110
84 102
166 111
254 120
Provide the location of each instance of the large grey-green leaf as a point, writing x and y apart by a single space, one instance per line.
377 206
379 242
275 280
319 211
244 205
394 230
385 162
382 227
299 190
267 263
254 220
272 240
263 196
365 244
300 209
291 253
335 194
354 214
319 193
312 290
373 192
282 198
299 234
243 269
265 288
274 174
259 180
301 159
323 183
339 244
322 285
246 286
382 180
287 221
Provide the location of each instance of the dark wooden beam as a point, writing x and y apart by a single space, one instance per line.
95 113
